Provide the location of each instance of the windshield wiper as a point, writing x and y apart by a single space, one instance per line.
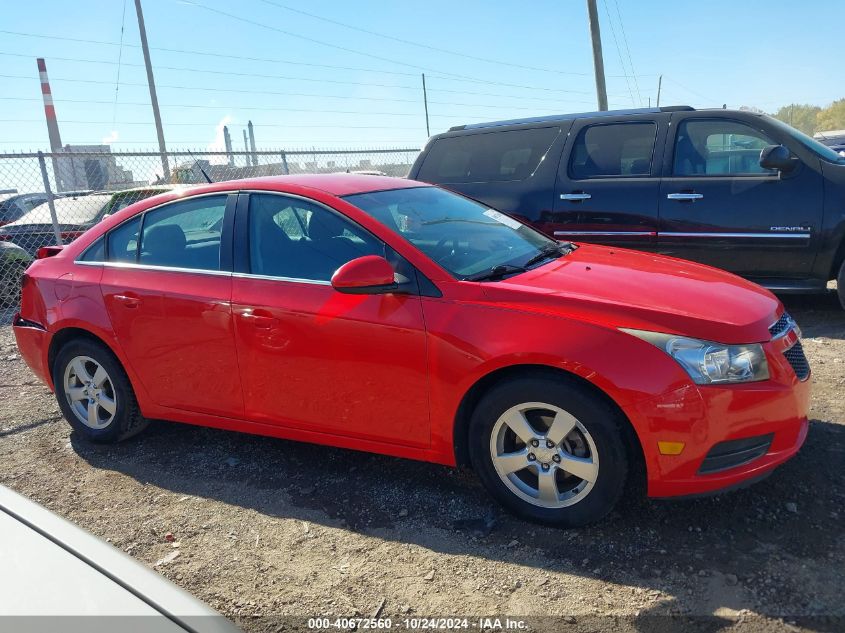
552 250
497 272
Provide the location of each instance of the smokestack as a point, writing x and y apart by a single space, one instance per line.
246 148
49 108
252 144
227 140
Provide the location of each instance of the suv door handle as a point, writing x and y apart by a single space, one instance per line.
129 300
576 196
685 197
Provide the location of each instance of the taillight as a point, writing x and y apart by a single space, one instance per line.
48 251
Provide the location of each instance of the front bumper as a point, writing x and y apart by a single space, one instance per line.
703 417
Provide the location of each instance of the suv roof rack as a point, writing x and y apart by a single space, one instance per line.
565 117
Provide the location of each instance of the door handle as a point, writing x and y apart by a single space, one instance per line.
577 196
685 197
259 321
130 301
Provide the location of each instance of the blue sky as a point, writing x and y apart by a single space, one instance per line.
310 82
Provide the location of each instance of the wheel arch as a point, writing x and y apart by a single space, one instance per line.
471 398
66 335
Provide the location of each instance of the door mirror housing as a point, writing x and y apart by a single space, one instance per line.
777 157
367 275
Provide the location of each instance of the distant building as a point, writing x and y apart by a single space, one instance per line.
94 169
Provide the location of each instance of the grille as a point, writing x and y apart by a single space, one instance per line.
781 325
795 356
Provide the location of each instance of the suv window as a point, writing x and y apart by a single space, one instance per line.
184 234
296 239
718 148
615 149
487 157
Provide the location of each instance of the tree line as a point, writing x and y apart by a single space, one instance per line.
811 118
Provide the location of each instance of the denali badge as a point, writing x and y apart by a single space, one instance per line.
790 229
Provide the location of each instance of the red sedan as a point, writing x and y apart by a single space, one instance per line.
391 316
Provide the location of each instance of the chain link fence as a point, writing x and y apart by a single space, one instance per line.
52 198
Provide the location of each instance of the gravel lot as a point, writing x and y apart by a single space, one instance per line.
263 527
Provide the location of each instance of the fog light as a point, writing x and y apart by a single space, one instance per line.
670 448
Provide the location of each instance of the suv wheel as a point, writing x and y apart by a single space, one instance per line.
94 393
549 450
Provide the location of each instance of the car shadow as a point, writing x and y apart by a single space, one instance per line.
711 554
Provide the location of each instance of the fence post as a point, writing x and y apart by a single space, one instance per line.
50 198
285 163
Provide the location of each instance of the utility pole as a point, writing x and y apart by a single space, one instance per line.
425 101
153 97
598 60
659 86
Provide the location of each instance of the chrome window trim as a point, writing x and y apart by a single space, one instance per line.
166 269
645 233
313 282
779 236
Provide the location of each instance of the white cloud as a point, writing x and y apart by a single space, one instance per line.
218 144
111 138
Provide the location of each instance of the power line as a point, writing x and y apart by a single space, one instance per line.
618 50
421 45
627 48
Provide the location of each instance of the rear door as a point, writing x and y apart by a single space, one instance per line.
718 206
167 287
609 180
510 169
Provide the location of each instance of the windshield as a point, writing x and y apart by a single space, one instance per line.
810 143
464 237
68 210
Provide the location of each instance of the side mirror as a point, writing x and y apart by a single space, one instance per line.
777 157
367 275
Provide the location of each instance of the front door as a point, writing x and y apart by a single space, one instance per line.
718 206
608 182
168 299
314 358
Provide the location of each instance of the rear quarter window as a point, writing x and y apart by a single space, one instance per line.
488 157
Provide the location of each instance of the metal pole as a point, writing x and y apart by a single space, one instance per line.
659 86
153 97
49 192
598 60
425 101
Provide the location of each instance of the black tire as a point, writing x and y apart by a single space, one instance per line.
840 285
126 420
602 423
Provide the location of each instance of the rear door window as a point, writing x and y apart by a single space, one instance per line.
487 157
613 150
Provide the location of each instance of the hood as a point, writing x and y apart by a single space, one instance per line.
623 288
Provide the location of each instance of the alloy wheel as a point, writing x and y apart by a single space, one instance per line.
90 392
544 455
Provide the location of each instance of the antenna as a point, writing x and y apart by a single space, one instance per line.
207 179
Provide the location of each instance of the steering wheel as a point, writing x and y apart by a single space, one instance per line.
440 250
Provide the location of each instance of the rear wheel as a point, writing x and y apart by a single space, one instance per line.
840 284
549 450
94 393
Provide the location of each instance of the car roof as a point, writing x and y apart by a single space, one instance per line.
49 537
551 118
341 184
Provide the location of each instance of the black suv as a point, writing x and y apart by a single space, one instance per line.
733 189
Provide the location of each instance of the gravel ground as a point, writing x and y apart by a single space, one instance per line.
262 527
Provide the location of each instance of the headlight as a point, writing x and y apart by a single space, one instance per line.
710 363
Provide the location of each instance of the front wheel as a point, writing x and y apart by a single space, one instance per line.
549 450
94 393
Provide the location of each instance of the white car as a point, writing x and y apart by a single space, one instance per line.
55 570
